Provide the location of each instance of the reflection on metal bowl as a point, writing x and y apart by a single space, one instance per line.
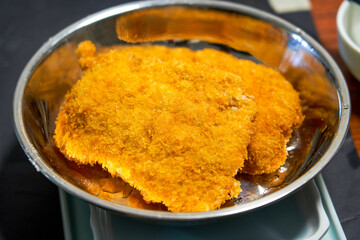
242 31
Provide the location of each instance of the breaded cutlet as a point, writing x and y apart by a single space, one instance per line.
175 130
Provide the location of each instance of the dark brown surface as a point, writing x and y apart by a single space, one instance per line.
324 16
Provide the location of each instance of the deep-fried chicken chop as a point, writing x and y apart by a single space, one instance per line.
173 129
279 109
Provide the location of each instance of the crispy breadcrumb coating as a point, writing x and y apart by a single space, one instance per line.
279 109
178 131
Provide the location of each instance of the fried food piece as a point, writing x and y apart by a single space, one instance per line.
279 109
172 129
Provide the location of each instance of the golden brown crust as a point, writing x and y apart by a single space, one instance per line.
172 129
177 124
279 109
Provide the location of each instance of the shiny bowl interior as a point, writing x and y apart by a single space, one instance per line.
242 31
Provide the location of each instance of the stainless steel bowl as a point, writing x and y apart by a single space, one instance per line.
242 31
